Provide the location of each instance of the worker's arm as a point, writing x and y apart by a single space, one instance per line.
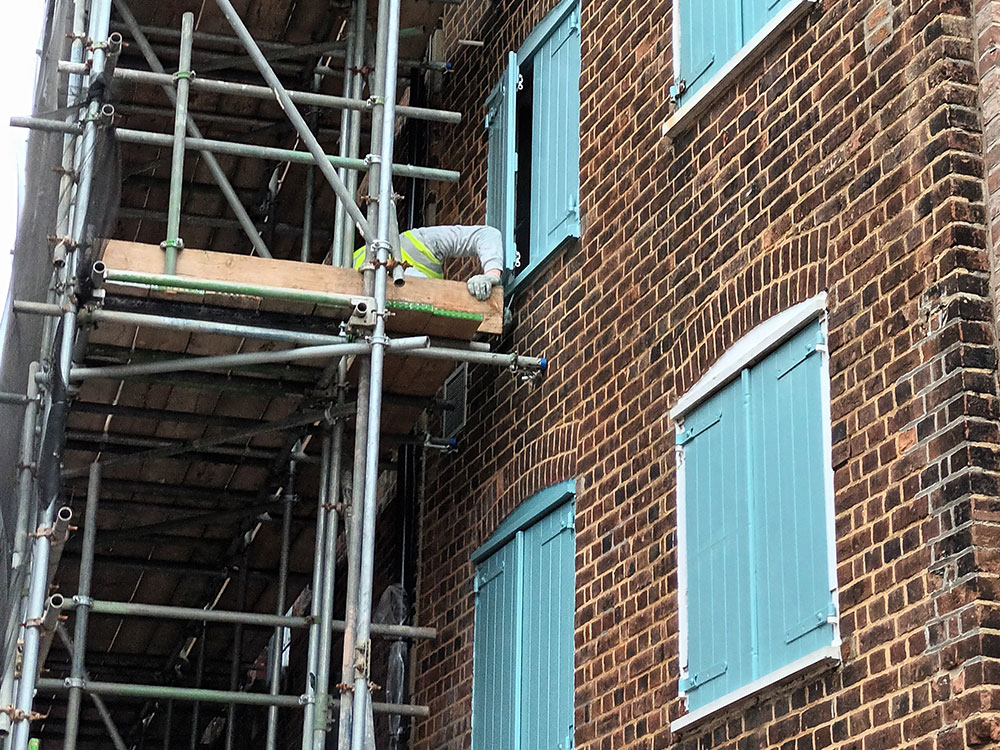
463 242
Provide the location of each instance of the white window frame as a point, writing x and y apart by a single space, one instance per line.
688 112
755 345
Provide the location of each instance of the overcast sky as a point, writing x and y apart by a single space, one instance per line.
18 57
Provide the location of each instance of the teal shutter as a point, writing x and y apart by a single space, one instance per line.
757 14
522 693
789 499
496 651
555 177
549 578
502 159
711 33
719 621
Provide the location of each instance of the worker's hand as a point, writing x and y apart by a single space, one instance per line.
481 285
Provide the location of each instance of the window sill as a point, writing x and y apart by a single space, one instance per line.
817 661
687 114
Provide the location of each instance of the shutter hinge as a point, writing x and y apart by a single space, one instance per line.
700 678
677 90
574 21
574 206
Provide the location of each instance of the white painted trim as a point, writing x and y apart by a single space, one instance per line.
682 568
685 115
825 657
831 511
748 349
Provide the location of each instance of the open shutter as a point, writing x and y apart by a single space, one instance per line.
711 33
555 189
502 160
789 497
719 636
496 651
547 700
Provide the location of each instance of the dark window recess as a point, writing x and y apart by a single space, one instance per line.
522 178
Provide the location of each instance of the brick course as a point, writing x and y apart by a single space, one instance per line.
857 157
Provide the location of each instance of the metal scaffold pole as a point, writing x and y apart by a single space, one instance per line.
173 243
50 455
210 161
76 680
388 35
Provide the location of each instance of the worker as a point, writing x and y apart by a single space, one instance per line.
424 250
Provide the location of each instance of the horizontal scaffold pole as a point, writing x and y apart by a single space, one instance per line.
166 451
225 361
161 140
190 694
306 98
195 614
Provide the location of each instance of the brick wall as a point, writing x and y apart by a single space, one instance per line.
849 159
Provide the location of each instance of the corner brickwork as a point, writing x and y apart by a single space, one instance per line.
850 159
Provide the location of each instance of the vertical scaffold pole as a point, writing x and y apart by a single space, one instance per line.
51 454
20 560
310 713
356 527
278 637
329 562
83 603
390 33
206 156
173 243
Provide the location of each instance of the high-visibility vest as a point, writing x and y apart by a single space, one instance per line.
415 254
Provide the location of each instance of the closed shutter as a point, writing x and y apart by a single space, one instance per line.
787 424
547 698
719 622
496 651
757 14
711 33
555 189
502 159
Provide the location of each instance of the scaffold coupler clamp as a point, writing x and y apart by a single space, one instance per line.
75 682
17 714
362 312
177 244
363 660
184 75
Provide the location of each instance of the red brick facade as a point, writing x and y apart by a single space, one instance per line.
851 158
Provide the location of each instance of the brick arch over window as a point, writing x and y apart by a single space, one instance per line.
547 461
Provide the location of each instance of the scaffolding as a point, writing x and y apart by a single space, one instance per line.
334 358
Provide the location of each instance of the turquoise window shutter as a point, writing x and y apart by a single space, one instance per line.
496 651
711 33
502 159
555 189
522 695
716 475
756 15
789 490
549 590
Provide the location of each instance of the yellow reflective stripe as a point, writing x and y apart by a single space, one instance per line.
359 256
431 273
421 247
